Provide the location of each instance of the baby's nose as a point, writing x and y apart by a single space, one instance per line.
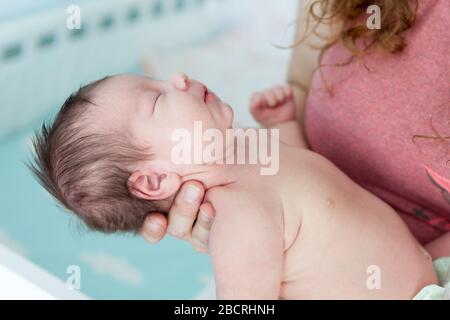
180 81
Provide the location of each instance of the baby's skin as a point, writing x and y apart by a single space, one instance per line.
306 232
309 232
330 234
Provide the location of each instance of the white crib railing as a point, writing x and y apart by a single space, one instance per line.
21 279
42 61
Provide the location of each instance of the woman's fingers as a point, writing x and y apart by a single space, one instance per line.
202 227
154 227
185 208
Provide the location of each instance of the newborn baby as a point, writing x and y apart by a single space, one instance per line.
306 232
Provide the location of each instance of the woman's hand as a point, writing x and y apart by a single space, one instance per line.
189 219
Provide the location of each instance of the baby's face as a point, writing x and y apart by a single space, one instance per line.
153 109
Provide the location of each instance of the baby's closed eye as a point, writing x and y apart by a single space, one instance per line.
155 104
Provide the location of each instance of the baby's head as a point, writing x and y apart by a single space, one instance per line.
107 155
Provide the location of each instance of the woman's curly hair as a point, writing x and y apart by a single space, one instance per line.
397 16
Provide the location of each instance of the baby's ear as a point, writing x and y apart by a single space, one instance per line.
151 185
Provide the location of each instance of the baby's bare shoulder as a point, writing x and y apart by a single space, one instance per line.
240 215
233 199
305 170
236 206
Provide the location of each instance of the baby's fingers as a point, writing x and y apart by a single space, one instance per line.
270 97
257 104
279 93
282 93
255 99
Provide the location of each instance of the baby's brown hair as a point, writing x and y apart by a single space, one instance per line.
86 171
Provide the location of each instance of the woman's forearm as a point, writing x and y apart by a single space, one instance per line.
303 60
305 55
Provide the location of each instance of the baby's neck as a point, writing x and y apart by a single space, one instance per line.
221 175
233 168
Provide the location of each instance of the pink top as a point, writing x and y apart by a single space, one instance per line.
371 126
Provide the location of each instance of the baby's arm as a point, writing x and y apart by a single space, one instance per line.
291 134
274 108
246 247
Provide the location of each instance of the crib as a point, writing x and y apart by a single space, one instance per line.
43 58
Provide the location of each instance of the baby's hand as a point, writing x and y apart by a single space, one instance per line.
273 106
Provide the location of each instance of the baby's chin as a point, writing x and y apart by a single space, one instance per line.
228 114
